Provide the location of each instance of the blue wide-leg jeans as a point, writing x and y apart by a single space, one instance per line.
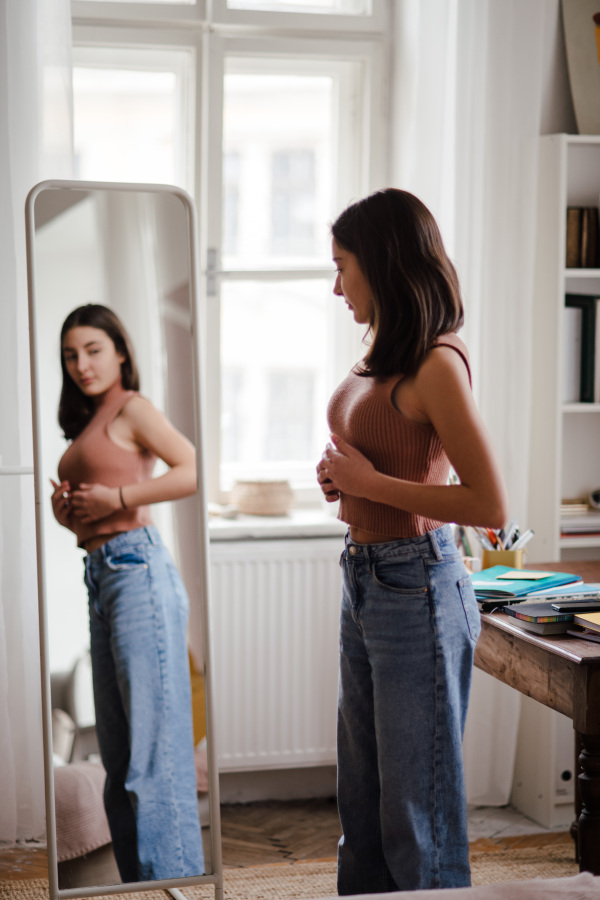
409 624
138 616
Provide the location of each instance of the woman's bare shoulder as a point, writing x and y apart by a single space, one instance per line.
443 361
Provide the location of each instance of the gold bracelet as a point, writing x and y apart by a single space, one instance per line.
123 504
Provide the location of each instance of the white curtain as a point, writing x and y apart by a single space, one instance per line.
35 143
468 98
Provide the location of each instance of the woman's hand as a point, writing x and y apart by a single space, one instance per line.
92 502
324 480
61 503
344 470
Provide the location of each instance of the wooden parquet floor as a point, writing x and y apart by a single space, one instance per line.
270 832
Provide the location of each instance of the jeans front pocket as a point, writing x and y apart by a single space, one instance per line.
126 559
471 610
406 577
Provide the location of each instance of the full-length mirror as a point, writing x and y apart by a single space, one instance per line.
132 791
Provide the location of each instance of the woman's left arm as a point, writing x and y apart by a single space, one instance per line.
149 429
443 396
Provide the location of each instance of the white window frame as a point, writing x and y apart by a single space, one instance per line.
101 47
371 164
106 11
241 33
369 22
218 13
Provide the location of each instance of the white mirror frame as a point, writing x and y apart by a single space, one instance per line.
41 502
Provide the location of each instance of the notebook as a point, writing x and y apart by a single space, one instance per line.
589 620
539 612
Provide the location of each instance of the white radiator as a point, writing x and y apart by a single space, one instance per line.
274 623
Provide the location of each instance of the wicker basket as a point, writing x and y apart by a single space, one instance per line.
263 498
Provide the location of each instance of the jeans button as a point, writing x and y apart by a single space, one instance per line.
352 550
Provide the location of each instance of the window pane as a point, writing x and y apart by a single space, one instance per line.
275 358
278 174
346 7
127 121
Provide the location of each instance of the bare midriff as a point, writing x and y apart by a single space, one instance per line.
100 539
369 537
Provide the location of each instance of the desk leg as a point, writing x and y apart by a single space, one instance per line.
588 827
574 830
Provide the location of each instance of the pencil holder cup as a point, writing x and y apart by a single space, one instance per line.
511 558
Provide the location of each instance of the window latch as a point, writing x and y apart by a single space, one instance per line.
211 272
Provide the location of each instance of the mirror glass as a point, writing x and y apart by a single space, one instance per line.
131 250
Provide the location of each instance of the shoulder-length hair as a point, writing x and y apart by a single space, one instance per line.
415 289
75 409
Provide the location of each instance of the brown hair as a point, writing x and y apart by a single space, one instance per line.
75 409
415 289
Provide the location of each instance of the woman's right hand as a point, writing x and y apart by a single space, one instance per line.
325 481
61 506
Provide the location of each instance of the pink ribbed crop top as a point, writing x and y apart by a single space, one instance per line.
362 412
93 458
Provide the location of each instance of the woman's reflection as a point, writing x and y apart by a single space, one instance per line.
138 606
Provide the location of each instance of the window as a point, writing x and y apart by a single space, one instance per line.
132 108
273 136
293 202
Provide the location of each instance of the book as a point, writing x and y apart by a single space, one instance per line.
539 612
587 523
597 361
583 232
587 304
589 237
575 507
543 627
503 583
573 323
573 256
586 635
590 620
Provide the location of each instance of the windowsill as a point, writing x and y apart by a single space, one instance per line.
300 523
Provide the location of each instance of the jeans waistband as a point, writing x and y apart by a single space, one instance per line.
148 534
426 546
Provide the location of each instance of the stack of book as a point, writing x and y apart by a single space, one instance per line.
587 626
583 250
545 603
501 586
576 517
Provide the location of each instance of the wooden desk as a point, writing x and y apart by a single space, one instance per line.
563 673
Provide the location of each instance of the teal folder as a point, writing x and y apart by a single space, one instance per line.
501 583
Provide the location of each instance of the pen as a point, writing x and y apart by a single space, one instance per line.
484 539
524 539
494 539
511 533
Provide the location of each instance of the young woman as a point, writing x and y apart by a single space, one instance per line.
138 606
409 620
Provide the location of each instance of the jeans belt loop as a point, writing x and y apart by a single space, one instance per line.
434 545
151 537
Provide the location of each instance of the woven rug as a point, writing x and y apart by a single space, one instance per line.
318 879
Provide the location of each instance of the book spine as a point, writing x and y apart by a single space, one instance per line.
589 258
587 304
574 216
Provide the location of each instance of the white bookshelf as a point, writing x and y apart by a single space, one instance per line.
565 441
